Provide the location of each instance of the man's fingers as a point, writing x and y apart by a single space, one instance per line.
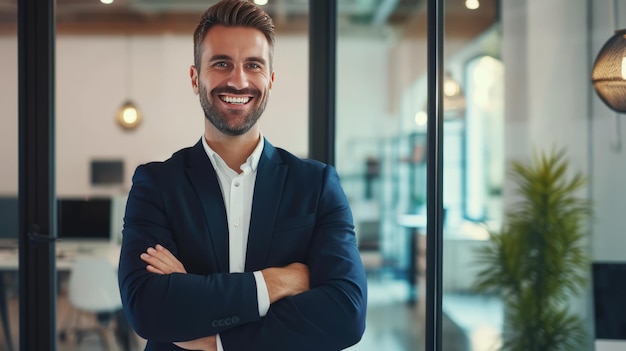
152 269
155 263
162 260
171 259
164 256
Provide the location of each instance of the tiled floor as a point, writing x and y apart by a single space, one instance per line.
479 316
470 323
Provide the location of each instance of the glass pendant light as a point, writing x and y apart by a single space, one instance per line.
128 116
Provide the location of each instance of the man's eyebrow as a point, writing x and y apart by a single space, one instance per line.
219 57
260 60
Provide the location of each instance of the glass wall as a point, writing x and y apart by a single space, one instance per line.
474 170
517 85
381 156
380 152
139 52
9 297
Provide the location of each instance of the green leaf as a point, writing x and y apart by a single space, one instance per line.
538 258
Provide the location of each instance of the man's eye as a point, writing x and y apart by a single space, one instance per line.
254 66
221 64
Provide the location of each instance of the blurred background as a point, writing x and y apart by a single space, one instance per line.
517 81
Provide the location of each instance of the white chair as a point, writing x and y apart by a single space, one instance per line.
93 290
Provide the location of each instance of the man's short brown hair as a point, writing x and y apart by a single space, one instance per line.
233 13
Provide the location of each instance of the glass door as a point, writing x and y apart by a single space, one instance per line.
473 170
381 159
517 269
381 142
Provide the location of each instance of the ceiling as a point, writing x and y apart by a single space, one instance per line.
152 16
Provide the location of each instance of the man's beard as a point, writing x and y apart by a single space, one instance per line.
215 116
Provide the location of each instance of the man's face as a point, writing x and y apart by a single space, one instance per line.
234 78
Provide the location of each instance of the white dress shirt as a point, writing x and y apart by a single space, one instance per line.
237 191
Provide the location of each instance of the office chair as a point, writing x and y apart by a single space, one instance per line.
93 290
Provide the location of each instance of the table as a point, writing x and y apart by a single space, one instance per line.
66 252
416 225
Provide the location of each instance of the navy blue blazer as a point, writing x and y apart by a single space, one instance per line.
299 214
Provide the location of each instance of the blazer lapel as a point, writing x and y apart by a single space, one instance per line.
204 179
268 188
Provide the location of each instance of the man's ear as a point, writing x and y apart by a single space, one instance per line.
271 81
193 74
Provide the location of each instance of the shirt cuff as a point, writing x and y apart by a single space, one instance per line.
218 341
263 297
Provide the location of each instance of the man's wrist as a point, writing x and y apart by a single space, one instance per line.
272 284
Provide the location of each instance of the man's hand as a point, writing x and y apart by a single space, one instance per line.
286 281
208 343
281 282
161 261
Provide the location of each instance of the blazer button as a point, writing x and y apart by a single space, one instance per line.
225 322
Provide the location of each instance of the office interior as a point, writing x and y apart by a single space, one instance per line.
517 80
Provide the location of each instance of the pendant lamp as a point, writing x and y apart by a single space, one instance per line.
609 72
128 116
453 97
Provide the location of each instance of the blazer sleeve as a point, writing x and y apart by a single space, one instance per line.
173 307
331 315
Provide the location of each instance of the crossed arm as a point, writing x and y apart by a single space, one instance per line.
174 306
280 281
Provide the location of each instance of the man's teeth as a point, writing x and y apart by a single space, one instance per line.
235 100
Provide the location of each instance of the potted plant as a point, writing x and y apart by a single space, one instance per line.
538 258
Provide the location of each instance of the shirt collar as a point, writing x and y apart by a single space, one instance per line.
252 161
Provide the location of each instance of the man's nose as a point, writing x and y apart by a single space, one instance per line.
238 78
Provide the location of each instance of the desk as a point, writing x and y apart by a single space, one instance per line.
67 253
416 224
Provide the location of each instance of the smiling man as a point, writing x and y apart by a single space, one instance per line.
238 78
233 244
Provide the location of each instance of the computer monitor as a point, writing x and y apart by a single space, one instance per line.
609 290
107 172
84 219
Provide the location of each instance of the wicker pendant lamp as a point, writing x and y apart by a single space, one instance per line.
609 72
